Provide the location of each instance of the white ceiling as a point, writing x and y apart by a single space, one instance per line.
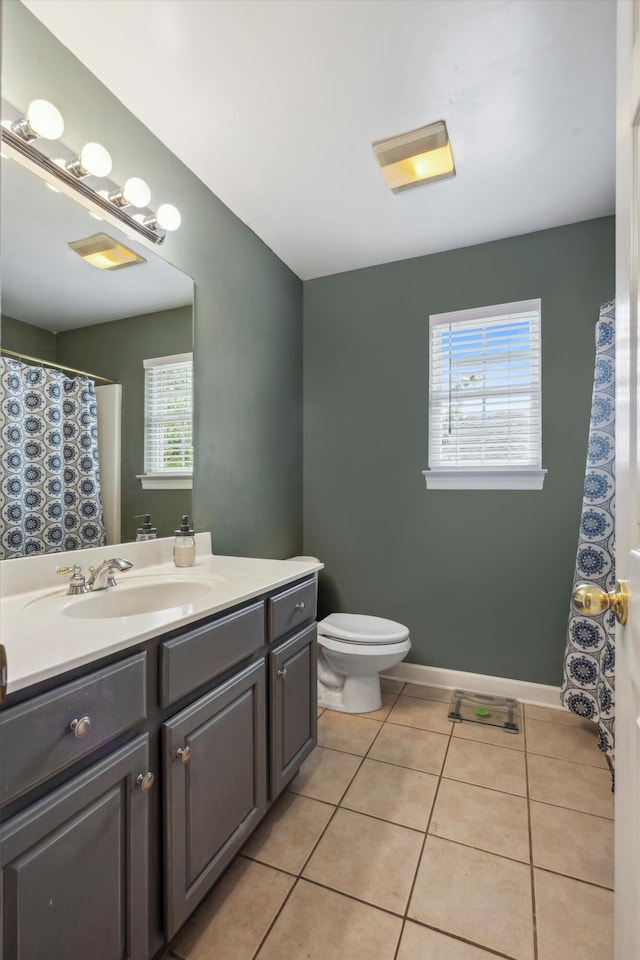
274 104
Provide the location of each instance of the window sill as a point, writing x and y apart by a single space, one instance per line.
166 481
531 479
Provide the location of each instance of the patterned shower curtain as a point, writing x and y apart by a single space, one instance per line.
589 666
50 485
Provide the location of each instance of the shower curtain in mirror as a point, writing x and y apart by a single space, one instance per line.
50 486
589 666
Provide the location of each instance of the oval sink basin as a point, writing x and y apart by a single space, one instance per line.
131 600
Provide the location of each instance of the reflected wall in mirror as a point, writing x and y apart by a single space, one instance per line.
63 311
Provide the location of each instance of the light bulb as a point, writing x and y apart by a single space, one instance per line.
42 120
95 160
168 217
45 120
136 192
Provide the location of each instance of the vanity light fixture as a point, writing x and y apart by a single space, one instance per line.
104 252
94 161
167 218
420 156
44 121
135 193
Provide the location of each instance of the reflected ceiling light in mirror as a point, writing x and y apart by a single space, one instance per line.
104 252
45 121
42 120
94 161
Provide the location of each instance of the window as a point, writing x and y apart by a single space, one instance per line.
485 426
168 419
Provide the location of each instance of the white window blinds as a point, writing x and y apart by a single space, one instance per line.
168 414
484 389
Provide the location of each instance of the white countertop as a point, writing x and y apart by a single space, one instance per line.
41 641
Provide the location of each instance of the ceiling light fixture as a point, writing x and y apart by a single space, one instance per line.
43 120
420 156
104 252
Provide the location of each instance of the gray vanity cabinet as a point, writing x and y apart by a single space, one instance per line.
293 706
74 866
214 757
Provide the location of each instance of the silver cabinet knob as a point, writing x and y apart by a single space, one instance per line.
300 607
80 727
184 755
283 673
145 781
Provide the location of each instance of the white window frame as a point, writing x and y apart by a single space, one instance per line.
499 476
166 479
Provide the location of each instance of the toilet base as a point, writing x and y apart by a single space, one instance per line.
357 694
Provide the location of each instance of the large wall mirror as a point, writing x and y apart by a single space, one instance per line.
62 313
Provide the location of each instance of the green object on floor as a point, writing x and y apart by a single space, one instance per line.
469 706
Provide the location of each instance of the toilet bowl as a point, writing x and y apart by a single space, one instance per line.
352 652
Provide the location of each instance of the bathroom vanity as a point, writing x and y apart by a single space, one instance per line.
132 772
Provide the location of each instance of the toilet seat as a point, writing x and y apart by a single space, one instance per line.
356 629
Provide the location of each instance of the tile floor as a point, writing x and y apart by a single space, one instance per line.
406 837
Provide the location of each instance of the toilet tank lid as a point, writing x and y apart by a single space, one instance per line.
357 627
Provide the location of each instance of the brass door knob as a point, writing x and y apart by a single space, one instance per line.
184 755
591 601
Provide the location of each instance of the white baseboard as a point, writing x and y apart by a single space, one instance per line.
540 694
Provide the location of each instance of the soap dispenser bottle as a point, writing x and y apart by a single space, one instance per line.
184 547
146 531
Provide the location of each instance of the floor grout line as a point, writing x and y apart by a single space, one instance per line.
568 876
534 917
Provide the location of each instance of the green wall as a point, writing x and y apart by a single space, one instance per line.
248 307
117 350
482 578
27 338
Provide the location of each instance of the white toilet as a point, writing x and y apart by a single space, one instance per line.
352 652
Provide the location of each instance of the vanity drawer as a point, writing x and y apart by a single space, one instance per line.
291 609
44 735
188 661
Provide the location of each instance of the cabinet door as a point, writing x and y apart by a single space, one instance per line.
75 867
293 710
215 787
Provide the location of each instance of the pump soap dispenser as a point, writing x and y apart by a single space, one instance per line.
146 531
184 547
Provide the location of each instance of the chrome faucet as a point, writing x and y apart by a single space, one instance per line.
103 576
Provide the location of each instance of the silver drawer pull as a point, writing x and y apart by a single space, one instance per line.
80 727
184 755
300 607
283 673
145 781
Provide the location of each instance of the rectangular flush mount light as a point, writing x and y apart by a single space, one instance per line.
420 156
105 253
